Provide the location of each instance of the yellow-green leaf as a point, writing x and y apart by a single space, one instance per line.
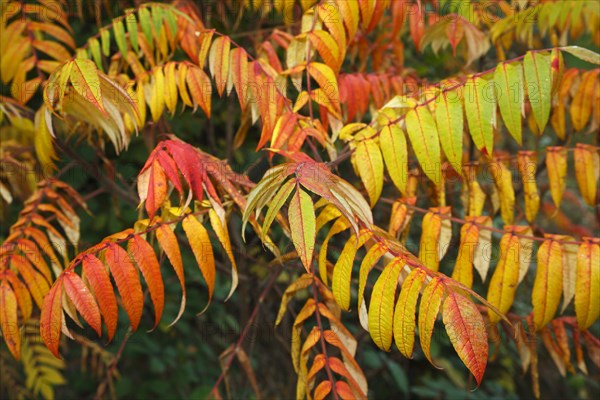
538 77
450 124
511 96
393 148
423 136
480 107
85 81
301 215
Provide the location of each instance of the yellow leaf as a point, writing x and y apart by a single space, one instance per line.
435 237
368 162
202 249
157 99
469 239
342 271
405 312
587 286
428 311
587 171
328 96
423 135
301 215
381 308
219 225
502 287
368 262
302 282
548 283
527 170
170 87
556 164
583 100
503 180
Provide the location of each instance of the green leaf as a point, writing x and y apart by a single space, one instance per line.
538 76
423 135
132 28
449 118
95 50
511 96
157 17
120 37
480 107
146 23
277 202
301 215
105 38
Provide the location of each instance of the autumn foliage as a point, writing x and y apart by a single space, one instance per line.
398 201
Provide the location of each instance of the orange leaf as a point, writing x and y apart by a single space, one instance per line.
37 284
466 329
144 257
200 88
9 320
99 282
218 61
152 188
51 318
239 67
128 282
168 242
83 300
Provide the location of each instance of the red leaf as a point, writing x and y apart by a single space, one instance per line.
466 329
